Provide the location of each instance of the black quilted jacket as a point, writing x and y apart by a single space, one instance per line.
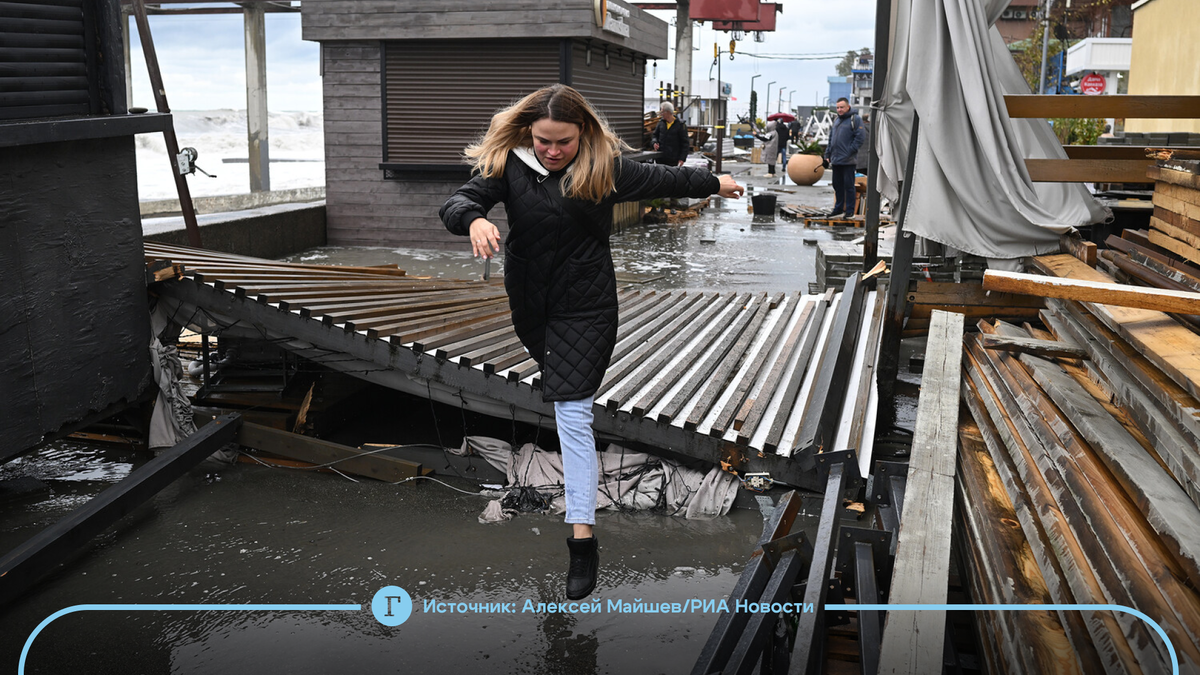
558 270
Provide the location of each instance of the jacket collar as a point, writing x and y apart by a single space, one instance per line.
526 155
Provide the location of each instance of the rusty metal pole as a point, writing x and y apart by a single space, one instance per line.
160 101
721 112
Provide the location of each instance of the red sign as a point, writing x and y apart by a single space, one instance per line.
724 10
1093 84
766 20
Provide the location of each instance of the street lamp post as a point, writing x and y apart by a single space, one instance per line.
790 94
752 96
769 98
779 103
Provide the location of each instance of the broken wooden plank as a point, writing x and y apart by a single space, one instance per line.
1165 505
1036 641
1085 290
1048 348
1060 554
913 641
1164 341
316 451
1075 245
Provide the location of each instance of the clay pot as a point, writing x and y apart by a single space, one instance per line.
805 169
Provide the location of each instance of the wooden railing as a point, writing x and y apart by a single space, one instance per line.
1100 163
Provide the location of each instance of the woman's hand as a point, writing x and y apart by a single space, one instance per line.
729 189
485 238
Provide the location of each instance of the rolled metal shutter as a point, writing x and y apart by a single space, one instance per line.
45 53
615 90
441 94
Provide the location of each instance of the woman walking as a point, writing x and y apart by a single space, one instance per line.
558 169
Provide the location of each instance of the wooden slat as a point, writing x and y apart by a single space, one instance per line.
1059 554
1164 341
913 641
1122 106
1035 642
1085 290
1176 246
1127 552
796 381
1030 346
656 351
752 411
1108 152
1180 178
1087 170
721 377
1166 506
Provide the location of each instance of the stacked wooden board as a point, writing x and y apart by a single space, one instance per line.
1078 480
1175 225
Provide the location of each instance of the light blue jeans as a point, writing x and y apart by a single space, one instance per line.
574 422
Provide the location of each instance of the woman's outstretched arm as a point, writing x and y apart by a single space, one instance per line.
636 181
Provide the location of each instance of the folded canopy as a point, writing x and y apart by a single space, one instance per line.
970 189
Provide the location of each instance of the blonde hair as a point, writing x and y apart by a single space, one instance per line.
589 177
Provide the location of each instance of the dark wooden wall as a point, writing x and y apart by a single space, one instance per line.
74 327
616 91
363 209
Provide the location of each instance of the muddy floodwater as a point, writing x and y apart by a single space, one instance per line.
250 534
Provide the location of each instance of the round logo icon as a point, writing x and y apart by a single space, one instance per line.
391 605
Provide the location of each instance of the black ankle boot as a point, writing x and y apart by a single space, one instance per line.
585 564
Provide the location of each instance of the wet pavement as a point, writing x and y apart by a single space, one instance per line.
726 248
250 534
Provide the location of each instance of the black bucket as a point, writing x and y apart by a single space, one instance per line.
764 204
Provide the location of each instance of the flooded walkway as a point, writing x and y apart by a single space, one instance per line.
253 534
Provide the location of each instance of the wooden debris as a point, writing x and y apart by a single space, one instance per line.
316 451
1032 346
913 641
1084 290
1075 245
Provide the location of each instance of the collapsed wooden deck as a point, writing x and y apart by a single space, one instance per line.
721 377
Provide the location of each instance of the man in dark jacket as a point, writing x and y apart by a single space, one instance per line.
845 138
671 137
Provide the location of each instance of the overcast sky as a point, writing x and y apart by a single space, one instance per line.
203 63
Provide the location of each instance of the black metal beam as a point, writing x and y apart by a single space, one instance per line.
897 299
809 650
883 19
730 624
749 648
24 565
822 412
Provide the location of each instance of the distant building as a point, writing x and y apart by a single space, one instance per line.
862 76
1166 47
1019 20
840 86
408 84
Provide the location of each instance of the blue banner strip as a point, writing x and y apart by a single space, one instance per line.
175 608
1006 608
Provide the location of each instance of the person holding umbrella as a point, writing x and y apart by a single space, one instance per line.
770 141
781 120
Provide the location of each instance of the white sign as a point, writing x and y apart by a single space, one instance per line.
614 22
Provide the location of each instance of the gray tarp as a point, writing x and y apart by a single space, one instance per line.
971 190
629 480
